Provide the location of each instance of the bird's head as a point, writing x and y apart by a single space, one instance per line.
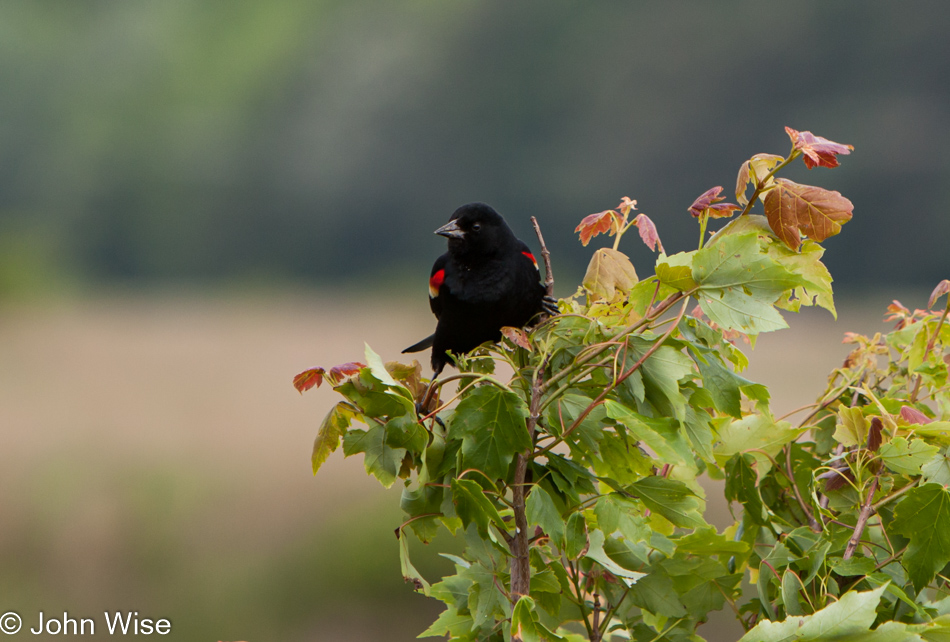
476 229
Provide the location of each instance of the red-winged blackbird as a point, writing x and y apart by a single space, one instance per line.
488 279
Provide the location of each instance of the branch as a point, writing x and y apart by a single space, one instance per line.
546 256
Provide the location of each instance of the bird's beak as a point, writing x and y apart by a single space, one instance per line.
451 230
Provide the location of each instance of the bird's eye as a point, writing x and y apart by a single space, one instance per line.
476 227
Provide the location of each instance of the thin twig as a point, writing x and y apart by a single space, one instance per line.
546 256
863 517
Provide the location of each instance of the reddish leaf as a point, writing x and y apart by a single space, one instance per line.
709 202
942 288
648 232
344 370
838 476
517 336
627 204
794 209
817 151
914 416
604 222
308 379
874 434
897 310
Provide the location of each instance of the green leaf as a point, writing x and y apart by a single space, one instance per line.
854 613
706 541
449 622
379 459
472 506
525 625
906 458
595 551
331 431
662 372
937 470
540 510
742 486
409 572
491 423
739 285
485 599
670 498
576 536
655 593
698 430
755 432
661 435
923 516
852 427
676 271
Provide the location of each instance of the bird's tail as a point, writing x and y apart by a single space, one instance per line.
422 345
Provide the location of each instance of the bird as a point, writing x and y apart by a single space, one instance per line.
488 279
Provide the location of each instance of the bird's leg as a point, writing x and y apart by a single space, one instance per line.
549 303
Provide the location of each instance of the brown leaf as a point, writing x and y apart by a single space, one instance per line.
308 379
648 232
609 271
793 209
410 375
627 204
604 222
874 434
942 288
517 336
914 416
817 151
709 202
754 171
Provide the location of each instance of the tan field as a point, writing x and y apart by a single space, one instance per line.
155 457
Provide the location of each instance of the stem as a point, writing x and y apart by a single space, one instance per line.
546 256
581 602
596 636
863 517
519 544
812 522
703 220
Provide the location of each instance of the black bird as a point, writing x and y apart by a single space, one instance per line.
487 280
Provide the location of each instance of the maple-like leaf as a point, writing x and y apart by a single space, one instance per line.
606 222
754 171
648 232
817 151
308 379
942 288
517 336
709 201
627 204
793 209
608 272
343 371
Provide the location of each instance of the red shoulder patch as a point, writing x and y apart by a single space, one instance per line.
435 282
533 260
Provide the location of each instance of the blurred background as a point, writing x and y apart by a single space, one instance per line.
200 199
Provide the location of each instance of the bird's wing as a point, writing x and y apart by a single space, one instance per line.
436 279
